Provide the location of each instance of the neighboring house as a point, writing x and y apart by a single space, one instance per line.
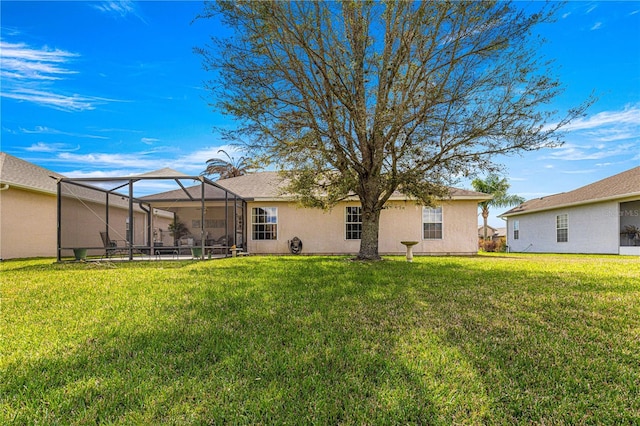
590 219
29 213
275 220
492 233
27 209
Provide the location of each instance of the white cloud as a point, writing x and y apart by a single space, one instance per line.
119 8
195 162
149 141
604 135
206 153
578 172
192 163
51 147
58 101
23 64
596 26
29 57
50 131
103 164
575 152
130 161
97 173
28 75
630 115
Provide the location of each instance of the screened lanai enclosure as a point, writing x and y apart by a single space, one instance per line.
153 216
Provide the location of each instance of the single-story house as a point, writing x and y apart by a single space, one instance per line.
492 233
27 209
591 219
250 212
29 213
275 221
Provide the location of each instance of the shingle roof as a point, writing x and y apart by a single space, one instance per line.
255 186
189 193
165 172
25 175
17 172
622 185
269 185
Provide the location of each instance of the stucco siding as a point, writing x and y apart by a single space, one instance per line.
592 228
324 232
27 224
83 221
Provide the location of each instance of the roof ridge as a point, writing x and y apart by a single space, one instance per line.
619 185
19 172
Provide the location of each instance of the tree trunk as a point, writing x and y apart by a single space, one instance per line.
485 215
369 238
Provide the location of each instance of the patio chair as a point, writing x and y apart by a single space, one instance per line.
111 247
220 244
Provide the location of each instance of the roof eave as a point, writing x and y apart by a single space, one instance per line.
453 197
355 198
29 188
577 203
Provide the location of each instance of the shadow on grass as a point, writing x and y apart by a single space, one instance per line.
320 340
309 342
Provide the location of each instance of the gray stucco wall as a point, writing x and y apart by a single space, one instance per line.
593 228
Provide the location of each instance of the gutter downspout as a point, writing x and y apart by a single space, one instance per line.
148 236
506 237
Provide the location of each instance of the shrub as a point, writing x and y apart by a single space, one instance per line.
498 245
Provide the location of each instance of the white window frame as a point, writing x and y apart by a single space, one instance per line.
516 229
562 228
433 216
271 216
351 227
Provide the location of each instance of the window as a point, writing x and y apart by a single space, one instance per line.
432 223
353 223
214 223
516 229
562 228
264 223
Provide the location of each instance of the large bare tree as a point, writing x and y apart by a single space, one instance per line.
367 97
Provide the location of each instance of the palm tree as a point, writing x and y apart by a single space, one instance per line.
497 187
227 168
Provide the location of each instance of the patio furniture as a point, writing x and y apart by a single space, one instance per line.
111 247
219 245
185 244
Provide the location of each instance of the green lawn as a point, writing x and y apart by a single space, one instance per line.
493 339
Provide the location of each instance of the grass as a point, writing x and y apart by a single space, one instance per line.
528 339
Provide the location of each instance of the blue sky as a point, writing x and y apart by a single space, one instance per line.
114 88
